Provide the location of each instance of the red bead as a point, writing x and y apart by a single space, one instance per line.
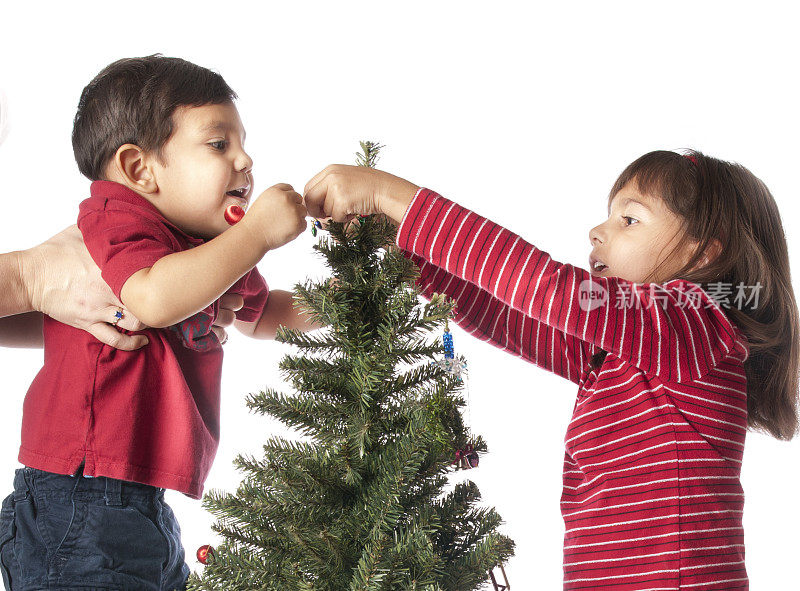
204 553
233 214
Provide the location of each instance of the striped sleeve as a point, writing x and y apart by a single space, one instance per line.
674 330
490 319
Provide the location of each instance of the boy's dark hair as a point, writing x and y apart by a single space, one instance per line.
725 201
131 101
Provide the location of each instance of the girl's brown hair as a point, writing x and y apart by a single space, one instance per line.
724 201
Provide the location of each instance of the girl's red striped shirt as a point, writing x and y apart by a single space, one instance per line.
651 492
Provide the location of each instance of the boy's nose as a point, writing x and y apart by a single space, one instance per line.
244 163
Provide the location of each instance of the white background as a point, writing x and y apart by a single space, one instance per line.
524 112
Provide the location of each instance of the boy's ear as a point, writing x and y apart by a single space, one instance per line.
132 167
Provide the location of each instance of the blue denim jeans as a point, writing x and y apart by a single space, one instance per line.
78 532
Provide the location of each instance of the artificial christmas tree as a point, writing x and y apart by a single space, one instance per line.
358 502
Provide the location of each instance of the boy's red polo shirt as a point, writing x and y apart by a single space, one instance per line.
151 415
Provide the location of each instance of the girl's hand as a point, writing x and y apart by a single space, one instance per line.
342 192
63 281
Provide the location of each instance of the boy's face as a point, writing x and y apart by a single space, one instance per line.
204 169
639 234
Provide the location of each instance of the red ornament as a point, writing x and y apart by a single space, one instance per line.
204 553
472 458
233 214
466 458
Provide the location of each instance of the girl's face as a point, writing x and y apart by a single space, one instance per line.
638 235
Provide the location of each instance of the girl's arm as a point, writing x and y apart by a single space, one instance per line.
490 319
655 330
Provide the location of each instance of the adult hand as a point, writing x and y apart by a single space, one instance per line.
342 192
63 281
228 304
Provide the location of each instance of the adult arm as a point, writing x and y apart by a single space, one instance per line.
59 278
13 296
19 325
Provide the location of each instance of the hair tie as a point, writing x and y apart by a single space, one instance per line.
692 158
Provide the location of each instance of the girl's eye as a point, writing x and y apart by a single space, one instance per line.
219 145
627 217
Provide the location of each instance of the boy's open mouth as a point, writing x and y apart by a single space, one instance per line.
237 192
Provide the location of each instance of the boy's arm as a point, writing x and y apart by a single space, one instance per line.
278 310
179 284
182 283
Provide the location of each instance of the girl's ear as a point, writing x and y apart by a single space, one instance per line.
132 168
711 253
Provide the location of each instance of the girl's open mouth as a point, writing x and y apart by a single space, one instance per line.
596 266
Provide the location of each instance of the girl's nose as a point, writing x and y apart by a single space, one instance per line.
596 235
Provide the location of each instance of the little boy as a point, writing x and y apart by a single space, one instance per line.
105 431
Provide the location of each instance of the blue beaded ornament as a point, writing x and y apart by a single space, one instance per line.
465 458
314 227
450 364
449 352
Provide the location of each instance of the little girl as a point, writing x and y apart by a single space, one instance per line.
682 333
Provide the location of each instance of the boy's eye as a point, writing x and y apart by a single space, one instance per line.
627 217
218 145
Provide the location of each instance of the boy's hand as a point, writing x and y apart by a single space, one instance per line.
64 282
342 192
228 305
277 216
